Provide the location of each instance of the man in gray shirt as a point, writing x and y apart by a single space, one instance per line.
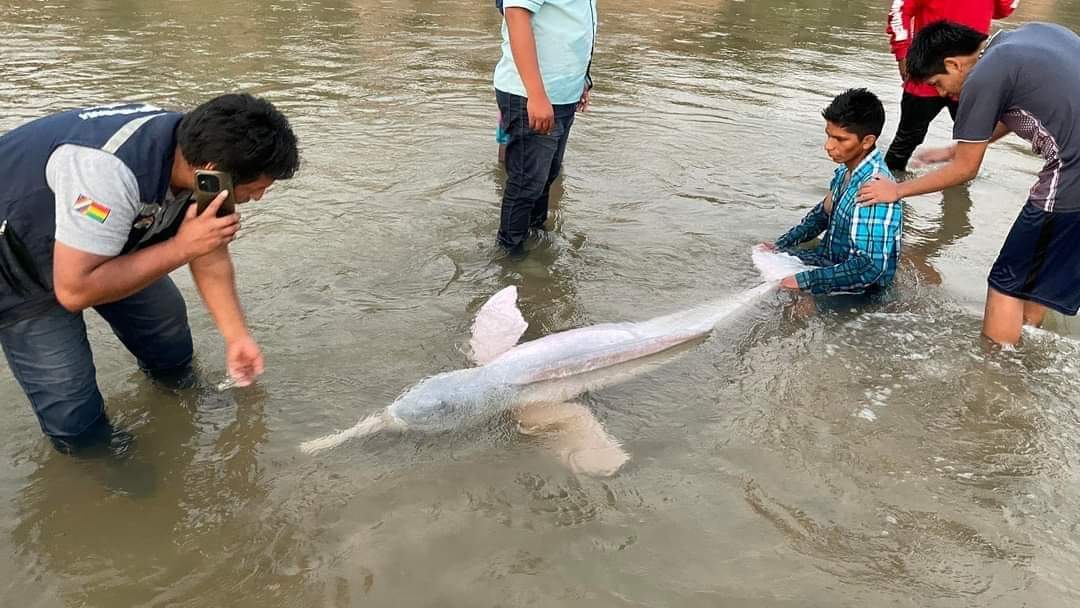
1025 82
95 213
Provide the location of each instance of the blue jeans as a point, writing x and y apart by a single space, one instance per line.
50 356
533 161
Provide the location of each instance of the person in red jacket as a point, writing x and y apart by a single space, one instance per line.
921 103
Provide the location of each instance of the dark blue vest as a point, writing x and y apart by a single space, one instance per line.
142 137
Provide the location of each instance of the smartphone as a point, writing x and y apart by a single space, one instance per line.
207 186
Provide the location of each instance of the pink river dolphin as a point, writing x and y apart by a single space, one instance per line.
538 380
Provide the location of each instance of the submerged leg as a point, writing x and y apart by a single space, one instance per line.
1034 314
575 435
1003 317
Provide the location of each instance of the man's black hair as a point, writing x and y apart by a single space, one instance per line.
242 135
858 111
937 42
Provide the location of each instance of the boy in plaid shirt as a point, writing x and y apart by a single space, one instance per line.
861 245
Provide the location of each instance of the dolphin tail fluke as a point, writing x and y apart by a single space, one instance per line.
368 426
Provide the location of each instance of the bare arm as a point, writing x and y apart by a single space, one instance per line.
964 166
82 279
931 156
962 169
215 279
523 48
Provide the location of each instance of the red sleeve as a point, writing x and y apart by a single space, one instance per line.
1004 8
901 19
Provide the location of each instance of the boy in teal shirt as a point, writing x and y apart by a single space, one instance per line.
541 80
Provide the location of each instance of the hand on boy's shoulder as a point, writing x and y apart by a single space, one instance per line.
877 191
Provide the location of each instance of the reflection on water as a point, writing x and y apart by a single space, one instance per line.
925 240
823 457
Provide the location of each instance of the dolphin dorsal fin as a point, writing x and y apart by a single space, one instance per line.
498 326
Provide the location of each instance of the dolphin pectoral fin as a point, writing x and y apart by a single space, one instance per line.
498 326
575 435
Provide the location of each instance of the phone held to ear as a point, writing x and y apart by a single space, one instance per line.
207 186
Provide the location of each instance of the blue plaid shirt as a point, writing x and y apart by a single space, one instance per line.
861 244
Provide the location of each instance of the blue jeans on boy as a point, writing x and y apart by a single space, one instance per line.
50 356
533 162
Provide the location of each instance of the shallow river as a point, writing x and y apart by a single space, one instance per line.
872 458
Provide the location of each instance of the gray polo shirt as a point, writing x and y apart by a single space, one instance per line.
77 176
1029 79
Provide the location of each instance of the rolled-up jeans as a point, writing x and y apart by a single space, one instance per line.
50 356
533 162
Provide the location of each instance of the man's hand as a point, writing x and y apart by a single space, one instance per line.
541 114
902 65
201 234
583 103
767 246
790 283
877 191
931 156
244 360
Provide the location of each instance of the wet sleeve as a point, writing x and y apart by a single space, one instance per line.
985 97
97 197
811 257
811 226
872 242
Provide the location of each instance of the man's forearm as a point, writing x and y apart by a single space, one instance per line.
946 177
812 225
215 280
853 275
523 48
120 277
963 168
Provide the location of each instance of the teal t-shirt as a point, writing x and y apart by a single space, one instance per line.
564 32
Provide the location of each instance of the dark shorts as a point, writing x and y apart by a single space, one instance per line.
1040 260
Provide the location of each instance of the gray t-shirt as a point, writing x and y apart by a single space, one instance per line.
98 204
1029 79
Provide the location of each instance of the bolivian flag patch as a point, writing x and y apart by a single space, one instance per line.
88 207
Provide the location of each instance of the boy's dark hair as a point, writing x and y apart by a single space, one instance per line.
858 111
937 42
242 135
